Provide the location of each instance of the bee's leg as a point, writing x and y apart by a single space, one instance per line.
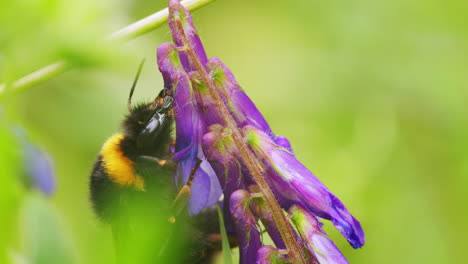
170 164
184 194
160 162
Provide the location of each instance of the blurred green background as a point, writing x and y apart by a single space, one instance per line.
372 94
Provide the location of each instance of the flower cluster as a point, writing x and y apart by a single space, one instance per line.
255 170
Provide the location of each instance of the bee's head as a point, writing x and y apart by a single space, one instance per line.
146 121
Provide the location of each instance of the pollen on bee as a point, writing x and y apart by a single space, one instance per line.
172 219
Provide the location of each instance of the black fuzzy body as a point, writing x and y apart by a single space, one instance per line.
108 197
139 219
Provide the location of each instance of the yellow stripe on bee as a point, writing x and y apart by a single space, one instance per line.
120 168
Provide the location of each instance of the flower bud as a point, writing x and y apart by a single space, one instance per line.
261 210
315 238
246 226
207 106
177 13
222 154
271 255
241 107
38 165
295 182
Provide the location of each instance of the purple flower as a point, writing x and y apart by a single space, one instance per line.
315 238
296 183
217 122
246 226
241 107
260 208
270 255
205 188
223 156
38 165
39 168
177 11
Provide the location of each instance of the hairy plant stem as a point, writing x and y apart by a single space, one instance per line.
131 31
255 169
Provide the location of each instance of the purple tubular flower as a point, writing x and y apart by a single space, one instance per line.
208 107
39 168
260 209
222 154
316 239
246 227
284 143
205 188
213 113
177 11
176 79
270 255
243 109
241 106
298 184
38 165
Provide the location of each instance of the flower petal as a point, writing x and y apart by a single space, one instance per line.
261 210
184 106
40 169
205 188
38 164
246 227
241 106
270 255
295 182
222 155
207 106
317 240
178 12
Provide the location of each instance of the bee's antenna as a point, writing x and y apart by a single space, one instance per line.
129 103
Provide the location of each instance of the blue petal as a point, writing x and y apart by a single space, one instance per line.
39 168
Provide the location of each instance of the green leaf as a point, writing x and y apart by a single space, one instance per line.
10 190
225 242
44 237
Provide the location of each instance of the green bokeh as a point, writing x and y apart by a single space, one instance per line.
372 94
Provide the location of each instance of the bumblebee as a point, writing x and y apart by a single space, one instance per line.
132 189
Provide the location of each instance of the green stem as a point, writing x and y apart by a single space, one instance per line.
153 21
131 31
35 78
225 239
248 158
